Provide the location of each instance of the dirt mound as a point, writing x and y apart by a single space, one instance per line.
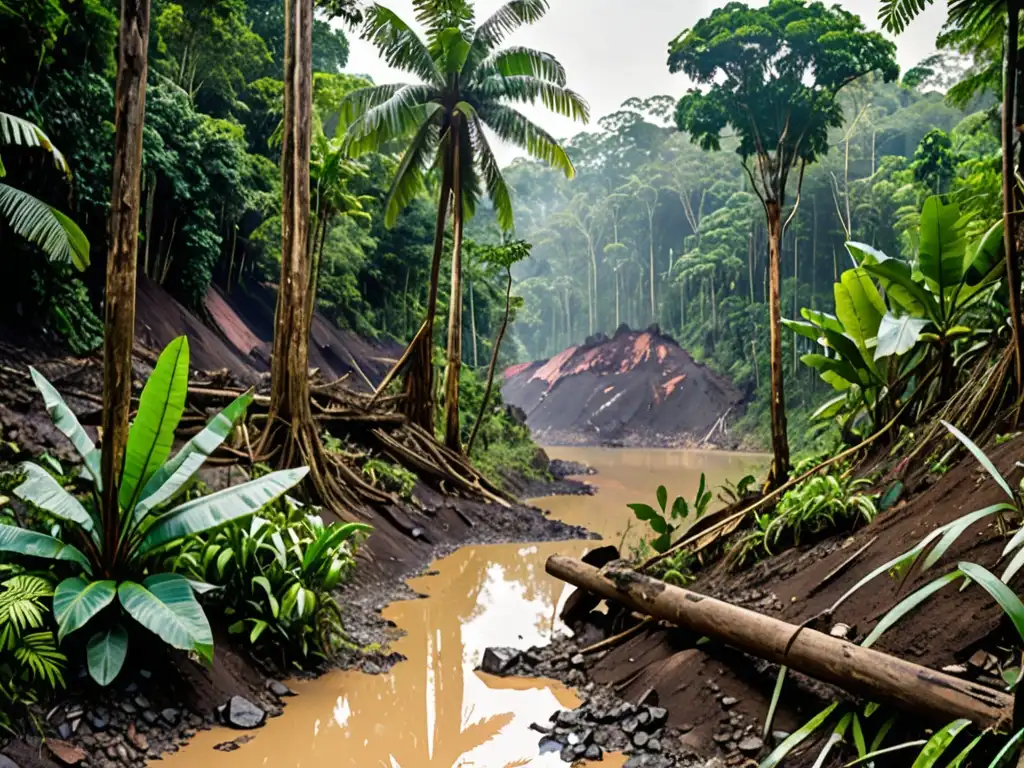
638 388
707 688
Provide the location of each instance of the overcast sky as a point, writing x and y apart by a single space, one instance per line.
615 49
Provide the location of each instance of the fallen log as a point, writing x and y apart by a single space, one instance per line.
862 671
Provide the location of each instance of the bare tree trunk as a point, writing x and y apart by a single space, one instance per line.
289 382
452 436
796 292
617 315
591 287
491 368
122 256
650 237
1009 190
472 325
780 444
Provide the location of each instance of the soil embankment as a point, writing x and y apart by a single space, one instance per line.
637 388
160 701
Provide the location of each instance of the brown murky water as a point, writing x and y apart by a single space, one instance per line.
433 710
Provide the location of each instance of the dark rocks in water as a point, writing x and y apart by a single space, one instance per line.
751 745
242 714
561 469
593 753
498 661
279 689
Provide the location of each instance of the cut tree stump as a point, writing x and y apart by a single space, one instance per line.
862 671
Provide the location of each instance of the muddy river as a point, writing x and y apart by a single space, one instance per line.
433 710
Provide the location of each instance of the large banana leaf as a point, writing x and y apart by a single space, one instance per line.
160 409
77 600
898 335
986 256
850 352
165 605
807 330
839 369
168 481
106 653
859 306
864 254
218 508
33 544
822 319
943 247
897 278
41 489
66 421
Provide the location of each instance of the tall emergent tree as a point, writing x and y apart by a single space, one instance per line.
773 75
465 83
979 21
123 236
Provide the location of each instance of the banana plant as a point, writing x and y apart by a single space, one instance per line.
114 552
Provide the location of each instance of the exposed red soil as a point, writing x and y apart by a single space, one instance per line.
947 629
636 388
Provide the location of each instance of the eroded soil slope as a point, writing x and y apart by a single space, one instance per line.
638 388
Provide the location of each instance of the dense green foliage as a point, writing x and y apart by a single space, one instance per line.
114 553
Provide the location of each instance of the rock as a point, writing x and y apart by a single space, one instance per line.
729 701
145 674
6 762
242 714
231 746
640 739
629 726
171 716
549 744
122 753
654 745
73 713
75 724
643 718
576 678
128 708
99 719
64 730
579 750
659 715
142 702
594 753
685 727
578 660
138 739
131 687
751 745
721 738
567 717
497 661
150 717
567 754
279 689
779 736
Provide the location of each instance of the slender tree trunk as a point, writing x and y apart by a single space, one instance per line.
150 199
122 256
1009 190
650 237
617 317
750 263
289 381
780 444
452 436
472 325
493 365
796 292
592 282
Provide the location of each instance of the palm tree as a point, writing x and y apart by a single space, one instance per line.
464 85
978 20
57 235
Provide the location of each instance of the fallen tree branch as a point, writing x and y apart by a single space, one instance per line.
861 671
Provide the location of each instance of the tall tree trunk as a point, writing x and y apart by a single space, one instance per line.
592 282
122 256
289 381
472 325
452 436
493 365
650 237
796 292
1009 189
418 403
617 316
780 444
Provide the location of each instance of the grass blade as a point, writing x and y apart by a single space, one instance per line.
1008 748
908 604
1001 593
797 737
939 743
979 454
887 750
775 702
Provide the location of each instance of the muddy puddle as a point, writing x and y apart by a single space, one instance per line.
433 710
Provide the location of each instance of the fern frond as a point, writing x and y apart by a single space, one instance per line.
895 15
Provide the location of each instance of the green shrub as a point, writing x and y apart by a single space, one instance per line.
114 553
275 574
391 477
680 510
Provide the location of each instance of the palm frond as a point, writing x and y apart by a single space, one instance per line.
977 14
527 89
21 132
895 15
502 23
57 235
408 181
497 188
399 45
513 61
398 117
514 127
38 652
358 101
439 15
468 176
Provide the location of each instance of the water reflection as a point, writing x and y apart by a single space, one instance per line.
434 710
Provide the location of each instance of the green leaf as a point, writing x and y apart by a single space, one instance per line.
797 737
166 606
776 695
219 508
807 330
46 493
1008 749
908 604
829 409
662 497
65 420
55 234
643 511
34 544
264 583
879 752
939 743
680 509
859 306
897 278
863 254
959 759
659 525
985 256
152 434
662 543
76 601
170 479
999 592
840 369
981 457
106 652
942 248
898 335
955 529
